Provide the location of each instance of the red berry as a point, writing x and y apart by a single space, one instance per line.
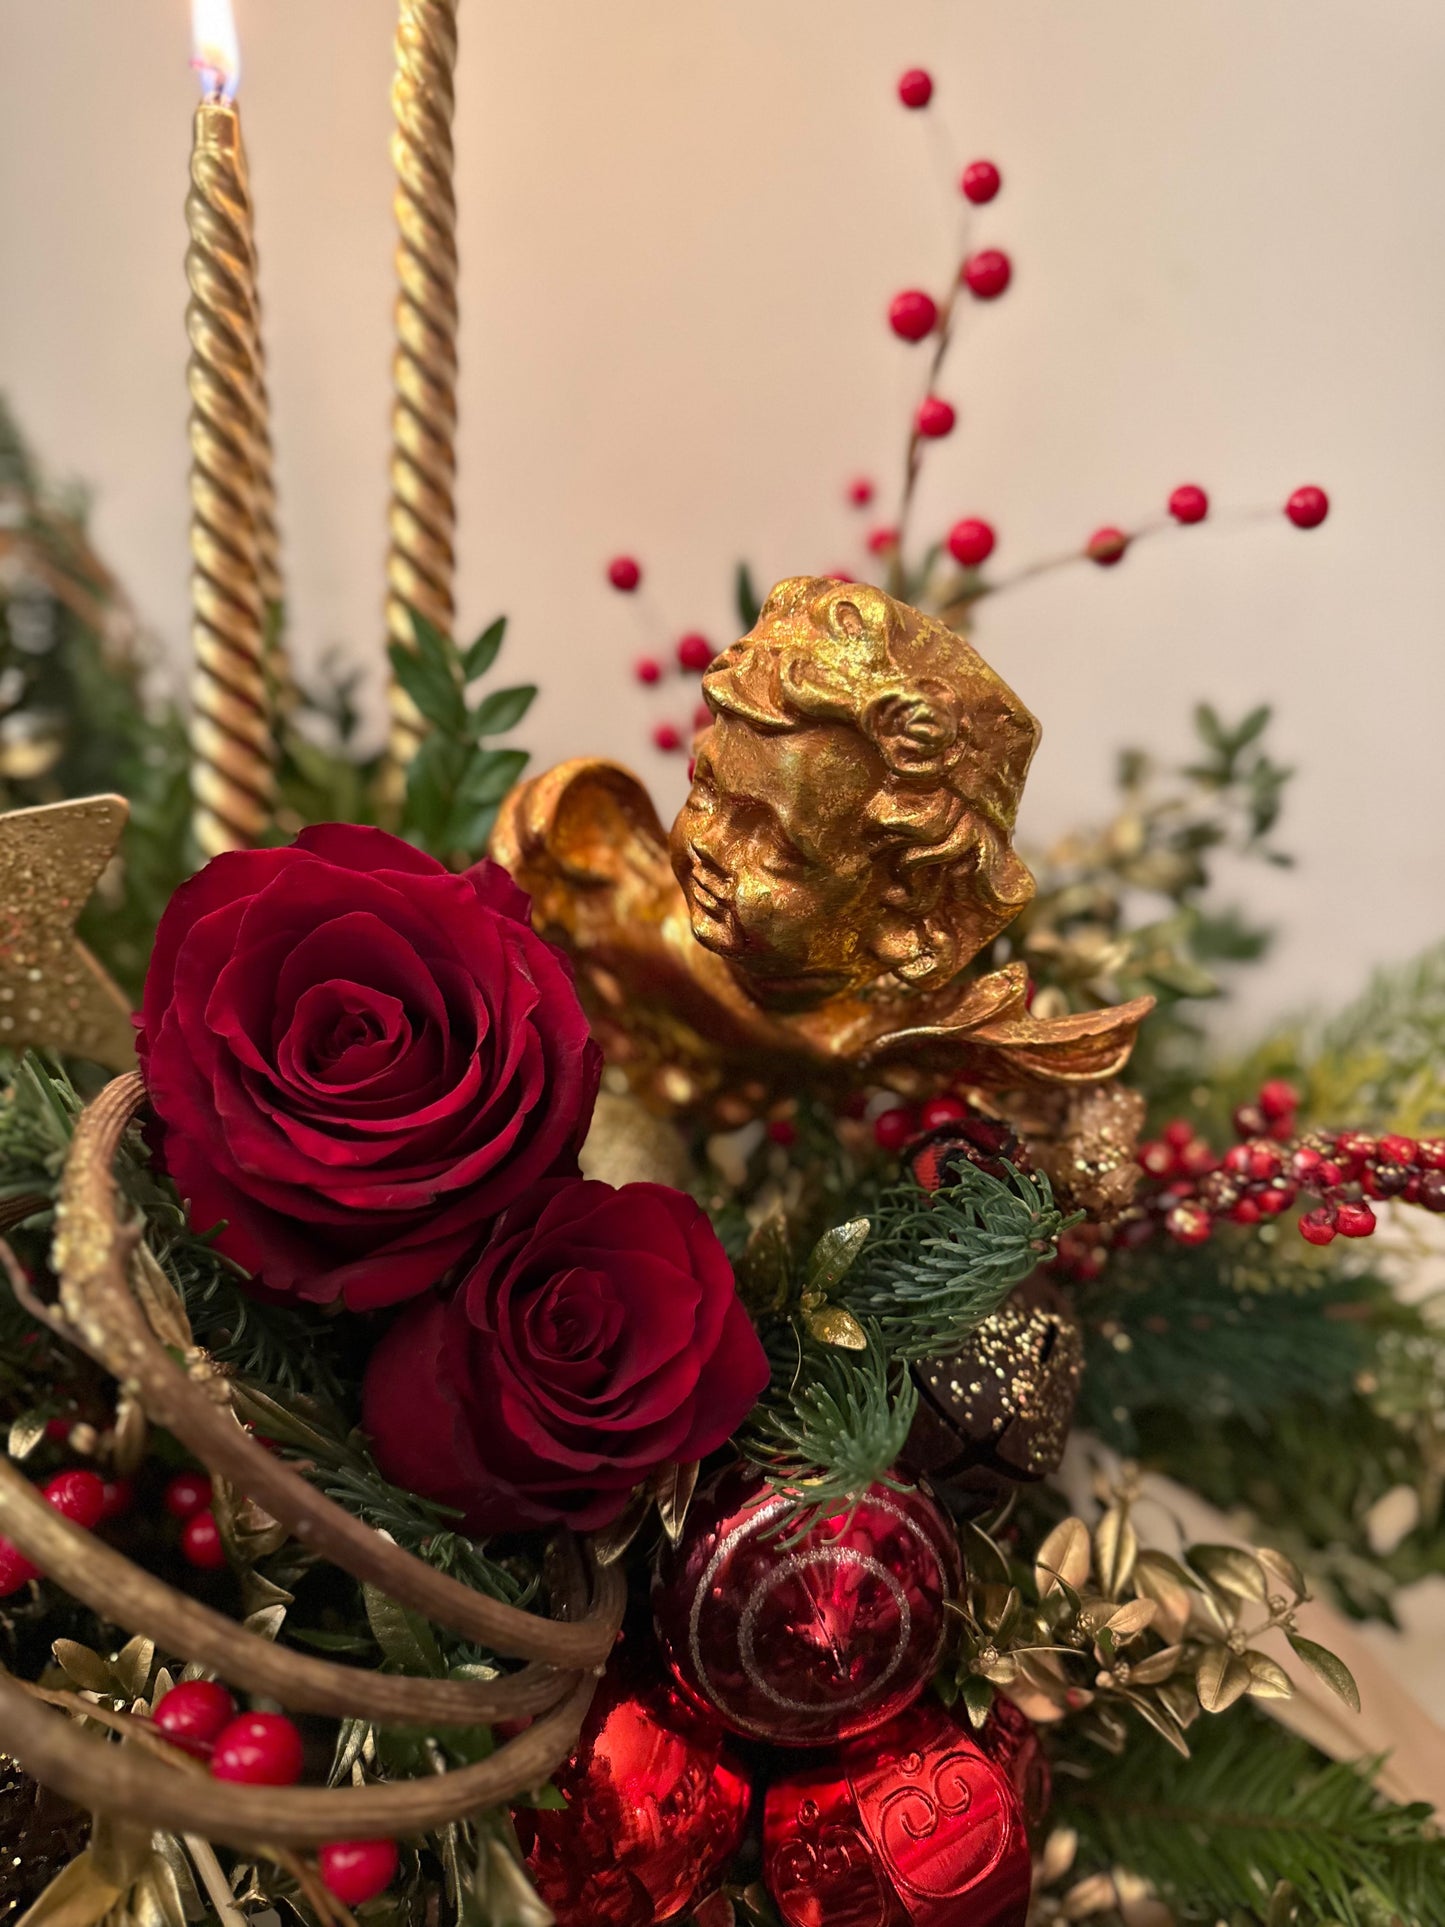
60 1428
1307 507
981 181
1327 1175
1197 1157
970 542
356 1871
915 88
702 717
1188 1224
1317 1227
15 1569
860 492
783 1131
1278 1098
1236 1159
1106 546
1264 1161
935 417
987 273
119 1496
1178 1132
1250 1121
1431 1194
624 573
694 652
1395 1149
1354 1220
1432 1153
1156 1157
193 1714
186 1493
647 669
258 1749
201 1545
913 314
1305 1162
77 1495
1355 1147
1247 1211
1188 503
1276 1198
883 541
893 1128
942 1110
667 737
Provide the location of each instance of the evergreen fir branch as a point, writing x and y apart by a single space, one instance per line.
1250 1808
834 1422
938 1263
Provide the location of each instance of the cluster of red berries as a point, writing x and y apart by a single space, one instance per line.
187 1497
1266 1173
692 654
77 1495
265 1749
897 1127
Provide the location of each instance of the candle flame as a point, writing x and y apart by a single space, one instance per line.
216 52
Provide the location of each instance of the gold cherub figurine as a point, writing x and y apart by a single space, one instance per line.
844 854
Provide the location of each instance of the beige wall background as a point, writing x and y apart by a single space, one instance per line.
680 229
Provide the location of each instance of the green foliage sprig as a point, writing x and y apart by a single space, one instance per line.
456 779
835 1421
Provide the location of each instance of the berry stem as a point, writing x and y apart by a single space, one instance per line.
913 457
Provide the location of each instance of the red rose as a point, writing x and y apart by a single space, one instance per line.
598 1337
357 1059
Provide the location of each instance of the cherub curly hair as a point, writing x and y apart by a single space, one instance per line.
954 740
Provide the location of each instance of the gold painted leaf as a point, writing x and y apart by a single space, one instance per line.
1327 1666
1161 1719
1129 1620
833 1325
1156 1668
1267 1680
1280 1566
673 1488
87 1669
833 1255
1116 1548
1156 1578
1063 1558
1231 1571
26 1432
132 1666
1222 1678
77 1897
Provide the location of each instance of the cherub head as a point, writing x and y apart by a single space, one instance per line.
853 799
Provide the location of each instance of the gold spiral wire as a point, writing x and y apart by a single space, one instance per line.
421 552
232 773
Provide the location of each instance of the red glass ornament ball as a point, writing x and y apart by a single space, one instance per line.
913 314
1188 503
624 573
647 669
356 1871
78 1496
935 418
187 1493
893 1128
1106 546
694 652
915 88
16 1571
971 542
981 181
987 273
201 1544
916 1826
1307 507
656 1806
194 1714
805 1640
258 1749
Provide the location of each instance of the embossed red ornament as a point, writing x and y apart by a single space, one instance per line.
913 1827
808 1640
655 1808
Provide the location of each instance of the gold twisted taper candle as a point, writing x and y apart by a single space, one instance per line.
421 555
232 774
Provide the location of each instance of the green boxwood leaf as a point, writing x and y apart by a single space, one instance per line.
502 710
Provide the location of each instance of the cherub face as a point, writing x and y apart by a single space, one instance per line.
772 857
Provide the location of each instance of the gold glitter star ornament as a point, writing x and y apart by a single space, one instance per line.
53 993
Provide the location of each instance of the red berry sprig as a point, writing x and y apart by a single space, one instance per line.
258 1749
980 182
194 1714
913 314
